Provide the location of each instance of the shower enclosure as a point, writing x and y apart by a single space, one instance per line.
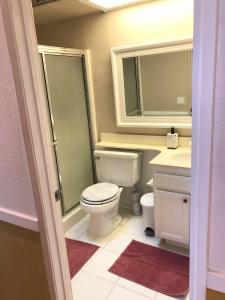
64 77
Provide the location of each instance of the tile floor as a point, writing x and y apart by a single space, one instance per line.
94 281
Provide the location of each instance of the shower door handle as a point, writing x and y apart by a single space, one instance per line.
58 195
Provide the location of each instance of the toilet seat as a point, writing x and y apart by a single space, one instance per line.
100 193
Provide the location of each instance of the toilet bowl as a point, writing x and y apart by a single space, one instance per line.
101 201
115 169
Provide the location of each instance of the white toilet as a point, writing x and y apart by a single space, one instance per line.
115 169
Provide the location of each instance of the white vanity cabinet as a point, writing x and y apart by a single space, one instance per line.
172 187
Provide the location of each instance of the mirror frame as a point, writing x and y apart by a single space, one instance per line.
117 54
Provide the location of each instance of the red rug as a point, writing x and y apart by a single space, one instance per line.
154 268
78 254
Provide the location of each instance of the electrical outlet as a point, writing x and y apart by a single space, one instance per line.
180 100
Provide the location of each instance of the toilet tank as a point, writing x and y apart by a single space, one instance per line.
118 167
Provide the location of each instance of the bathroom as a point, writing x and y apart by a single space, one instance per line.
96 59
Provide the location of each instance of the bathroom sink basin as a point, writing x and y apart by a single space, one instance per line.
182 156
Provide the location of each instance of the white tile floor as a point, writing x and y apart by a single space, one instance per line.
94 281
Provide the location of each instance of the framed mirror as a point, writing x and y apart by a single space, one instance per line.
152 84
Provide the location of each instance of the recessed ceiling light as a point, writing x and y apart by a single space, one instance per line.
110 4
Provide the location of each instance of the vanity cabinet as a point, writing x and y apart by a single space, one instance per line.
172 188
172 216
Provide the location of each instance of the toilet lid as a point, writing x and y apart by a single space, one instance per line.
100 192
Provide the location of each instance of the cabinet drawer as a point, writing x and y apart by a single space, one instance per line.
174 183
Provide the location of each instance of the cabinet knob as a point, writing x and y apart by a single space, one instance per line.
185 200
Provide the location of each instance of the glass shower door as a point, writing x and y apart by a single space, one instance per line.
67 102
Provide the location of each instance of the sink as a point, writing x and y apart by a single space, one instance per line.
179 158
182 156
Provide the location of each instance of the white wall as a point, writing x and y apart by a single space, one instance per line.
16 195
217 213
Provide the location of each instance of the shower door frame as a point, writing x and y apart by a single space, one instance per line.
85 60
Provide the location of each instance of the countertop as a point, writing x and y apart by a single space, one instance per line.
180 158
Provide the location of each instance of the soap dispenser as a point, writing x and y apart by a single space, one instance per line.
172 139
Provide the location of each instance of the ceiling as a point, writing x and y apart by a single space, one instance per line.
61 10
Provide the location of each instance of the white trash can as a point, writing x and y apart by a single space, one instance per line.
147 203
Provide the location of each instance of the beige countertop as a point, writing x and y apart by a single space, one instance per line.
132 146
180 158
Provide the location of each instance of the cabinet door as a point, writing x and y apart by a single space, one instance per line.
172 216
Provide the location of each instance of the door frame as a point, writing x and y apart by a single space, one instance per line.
22 45
203 87
27 73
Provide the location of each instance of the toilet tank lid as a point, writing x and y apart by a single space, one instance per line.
116 154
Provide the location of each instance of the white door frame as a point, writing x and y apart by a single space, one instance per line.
204 67
22 44
27 73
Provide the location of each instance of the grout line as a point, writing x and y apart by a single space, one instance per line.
99 277
110 292
94 255
77 236
113 236
92 258
76 276
114 251
106 280
136 292
84 266
156 296
116 283
118 231
132 291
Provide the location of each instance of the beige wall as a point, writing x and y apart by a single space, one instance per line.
157 20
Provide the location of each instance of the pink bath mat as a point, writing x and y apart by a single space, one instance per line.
78 254
154 268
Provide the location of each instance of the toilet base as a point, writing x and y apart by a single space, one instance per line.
103 224
104 218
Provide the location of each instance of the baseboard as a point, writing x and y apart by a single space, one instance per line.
19 219
72 218
216 281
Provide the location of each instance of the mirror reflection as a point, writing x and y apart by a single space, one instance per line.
158 84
